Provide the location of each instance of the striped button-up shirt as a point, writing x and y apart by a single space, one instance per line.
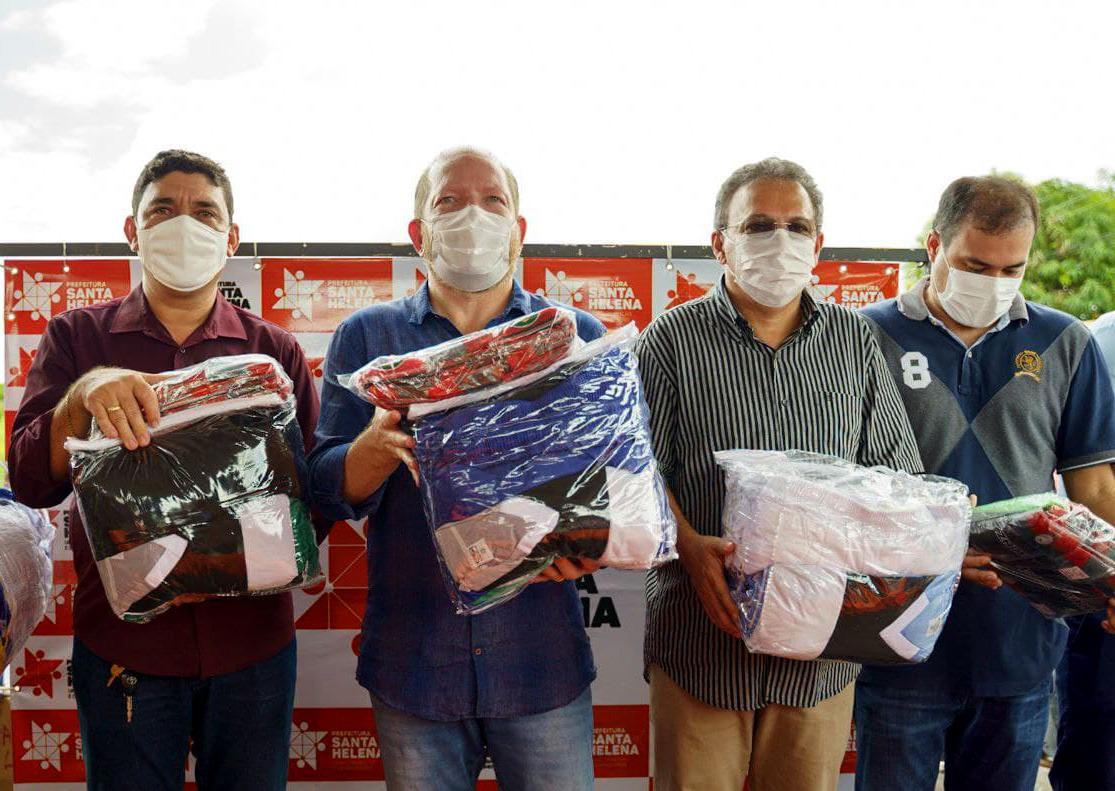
711 385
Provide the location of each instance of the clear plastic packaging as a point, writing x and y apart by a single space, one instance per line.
838 561
1055 552
214 506
467 364
26 573
555 464
222 379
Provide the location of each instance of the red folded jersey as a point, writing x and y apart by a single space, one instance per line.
222 379
469 363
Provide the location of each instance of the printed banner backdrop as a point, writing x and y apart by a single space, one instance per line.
334 746
616 290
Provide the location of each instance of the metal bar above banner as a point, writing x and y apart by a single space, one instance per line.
397 250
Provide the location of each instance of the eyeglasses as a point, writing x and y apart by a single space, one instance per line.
749 227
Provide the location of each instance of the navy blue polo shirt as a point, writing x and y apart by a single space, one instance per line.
1031 397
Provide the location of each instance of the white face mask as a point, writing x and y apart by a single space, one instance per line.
182 253
470 248
976 300
773 267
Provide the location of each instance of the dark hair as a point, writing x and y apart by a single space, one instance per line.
176 160
992 204
771 168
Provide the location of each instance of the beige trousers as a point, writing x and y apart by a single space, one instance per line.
698 747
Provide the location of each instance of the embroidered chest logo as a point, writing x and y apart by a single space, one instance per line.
1029 363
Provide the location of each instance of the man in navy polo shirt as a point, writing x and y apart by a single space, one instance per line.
512 682
1003 393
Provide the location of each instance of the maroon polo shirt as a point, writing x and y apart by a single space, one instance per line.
200 640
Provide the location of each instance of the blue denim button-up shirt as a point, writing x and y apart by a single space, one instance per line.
416 654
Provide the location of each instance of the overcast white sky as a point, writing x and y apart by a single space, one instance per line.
620 118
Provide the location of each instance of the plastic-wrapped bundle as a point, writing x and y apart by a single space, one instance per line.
1056 553
469 363
221 379
838 561
556 464
214 506
25 573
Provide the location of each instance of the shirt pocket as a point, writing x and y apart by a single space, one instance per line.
827 421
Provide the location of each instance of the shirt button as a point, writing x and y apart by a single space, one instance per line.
183 351
478 651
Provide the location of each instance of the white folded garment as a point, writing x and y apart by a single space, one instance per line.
268 543
484 547
792 521
130 575
807 612
635 532
791 611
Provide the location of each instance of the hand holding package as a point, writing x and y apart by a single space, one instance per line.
1055 552
838 561
214 505
553 464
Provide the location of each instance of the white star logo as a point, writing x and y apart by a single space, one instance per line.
46 747
306 744
823 293
298 294
37 296
561 289
57 596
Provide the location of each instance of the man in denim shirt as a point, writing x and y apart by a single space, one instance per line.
512 682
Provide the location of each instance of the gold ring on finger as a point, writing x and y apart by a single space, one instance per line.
116 408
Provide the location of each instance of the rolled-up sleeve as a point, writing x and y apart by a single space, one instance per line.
1086 436
589 328
343 417
51 375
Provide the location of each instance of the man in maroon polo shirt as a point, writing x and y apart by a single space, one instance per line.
222 671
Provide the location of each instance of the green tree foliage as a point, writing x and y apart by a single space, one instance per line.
1072 265
911 272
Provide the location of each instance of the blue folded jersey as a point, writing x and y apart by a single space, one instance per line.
560 467
566 424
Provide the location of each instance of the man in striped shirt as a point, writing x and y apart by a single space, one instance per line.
756 363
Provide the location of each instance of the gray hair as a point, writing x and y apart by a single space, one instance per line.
425 181
770 168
